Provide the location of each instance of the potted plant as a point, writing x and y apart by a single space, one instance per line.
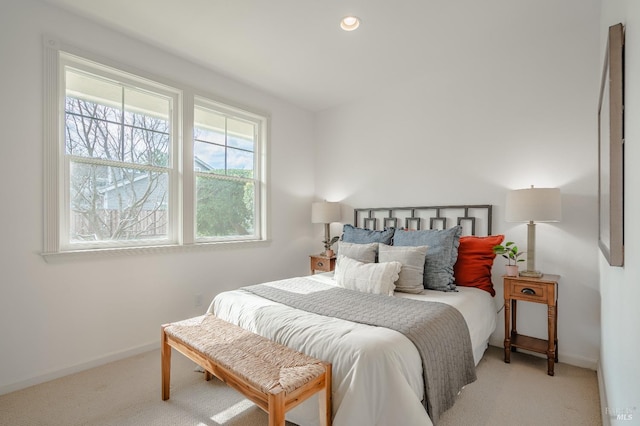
327 246
510 252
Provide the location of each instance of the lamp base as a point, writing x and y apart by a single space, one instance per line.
531 274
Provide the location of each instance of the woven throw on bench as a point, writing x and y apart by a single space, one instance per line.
257 359
438 330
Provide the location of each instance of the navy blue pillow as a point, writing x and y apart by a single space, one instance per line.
441 254
351 234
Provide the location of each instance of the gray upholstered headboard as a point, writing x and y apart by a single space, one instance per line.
474 219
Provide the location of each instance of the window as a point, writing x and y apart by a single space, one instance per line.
225 164
129 166
118 161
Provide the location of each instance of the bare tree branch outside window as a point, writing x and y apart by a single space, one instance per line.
119 184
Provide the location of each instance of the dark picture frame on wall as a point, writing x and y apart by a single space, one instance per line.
611 150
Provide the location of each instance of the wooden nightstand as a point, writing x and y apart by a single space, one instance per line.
537 290
320 262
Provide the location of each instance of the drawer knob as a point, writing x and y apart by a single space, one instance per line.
528 290
320 264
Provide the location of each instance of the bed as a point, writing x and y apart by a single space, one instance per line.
379 373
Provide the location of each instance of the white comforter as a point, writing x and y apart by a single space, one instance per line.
377 372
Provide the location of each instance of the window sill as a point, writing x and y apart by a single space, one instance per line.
64 256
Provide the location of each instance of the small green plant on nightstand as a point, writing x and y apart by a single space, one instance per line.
328 244
510 252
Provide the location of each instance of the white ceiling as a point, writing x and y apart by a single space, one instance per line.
294 48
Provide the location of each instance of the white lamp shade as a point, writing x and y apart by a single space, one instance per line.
534 204
325 212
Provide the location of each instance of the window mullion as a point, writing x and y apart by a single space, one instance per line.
122 114
188 177
226 146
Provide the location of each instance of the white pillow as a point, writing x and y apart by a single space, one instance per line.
365 253
412 258
377 278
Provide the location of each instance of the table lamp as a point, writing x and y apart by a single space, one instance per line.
326 213
533 205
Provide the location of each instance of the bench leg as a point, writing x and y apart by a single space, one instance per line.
325 399
165 356
276 409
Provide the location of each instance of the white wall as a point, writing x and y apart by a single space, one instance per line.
511 103
58 318
620 287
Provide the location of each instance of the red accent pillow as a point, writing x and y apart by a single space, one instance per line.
475 259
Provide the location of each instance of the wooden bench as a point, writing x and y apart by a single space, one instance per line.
273 376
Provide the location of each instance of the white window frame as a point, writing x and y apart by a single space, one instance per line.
259 163
182 223
174 169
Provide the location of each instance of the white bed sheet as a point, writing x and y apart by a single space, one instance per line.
377 372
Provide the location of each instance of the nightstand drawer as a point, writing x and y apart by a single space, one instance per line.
529 291
322 263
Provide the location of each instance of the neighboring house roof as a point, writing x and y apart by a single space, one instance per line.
115 194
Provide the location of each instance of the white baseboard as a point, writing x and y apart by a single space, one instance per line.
606 421
578 361
56 374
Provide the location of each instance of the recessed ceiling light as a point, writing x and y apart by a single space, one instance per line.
349 23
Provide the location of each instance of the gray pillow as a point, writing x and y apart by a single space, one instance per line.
351 234
411 278
441 256
365 253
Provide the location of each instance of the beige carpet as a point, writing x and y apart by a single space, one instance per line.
521 393
127 392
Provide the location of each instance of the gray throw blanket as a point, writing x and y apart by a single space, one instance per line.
438 331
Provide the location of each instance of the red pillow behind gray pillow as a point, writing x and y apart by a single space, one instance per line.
475 259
